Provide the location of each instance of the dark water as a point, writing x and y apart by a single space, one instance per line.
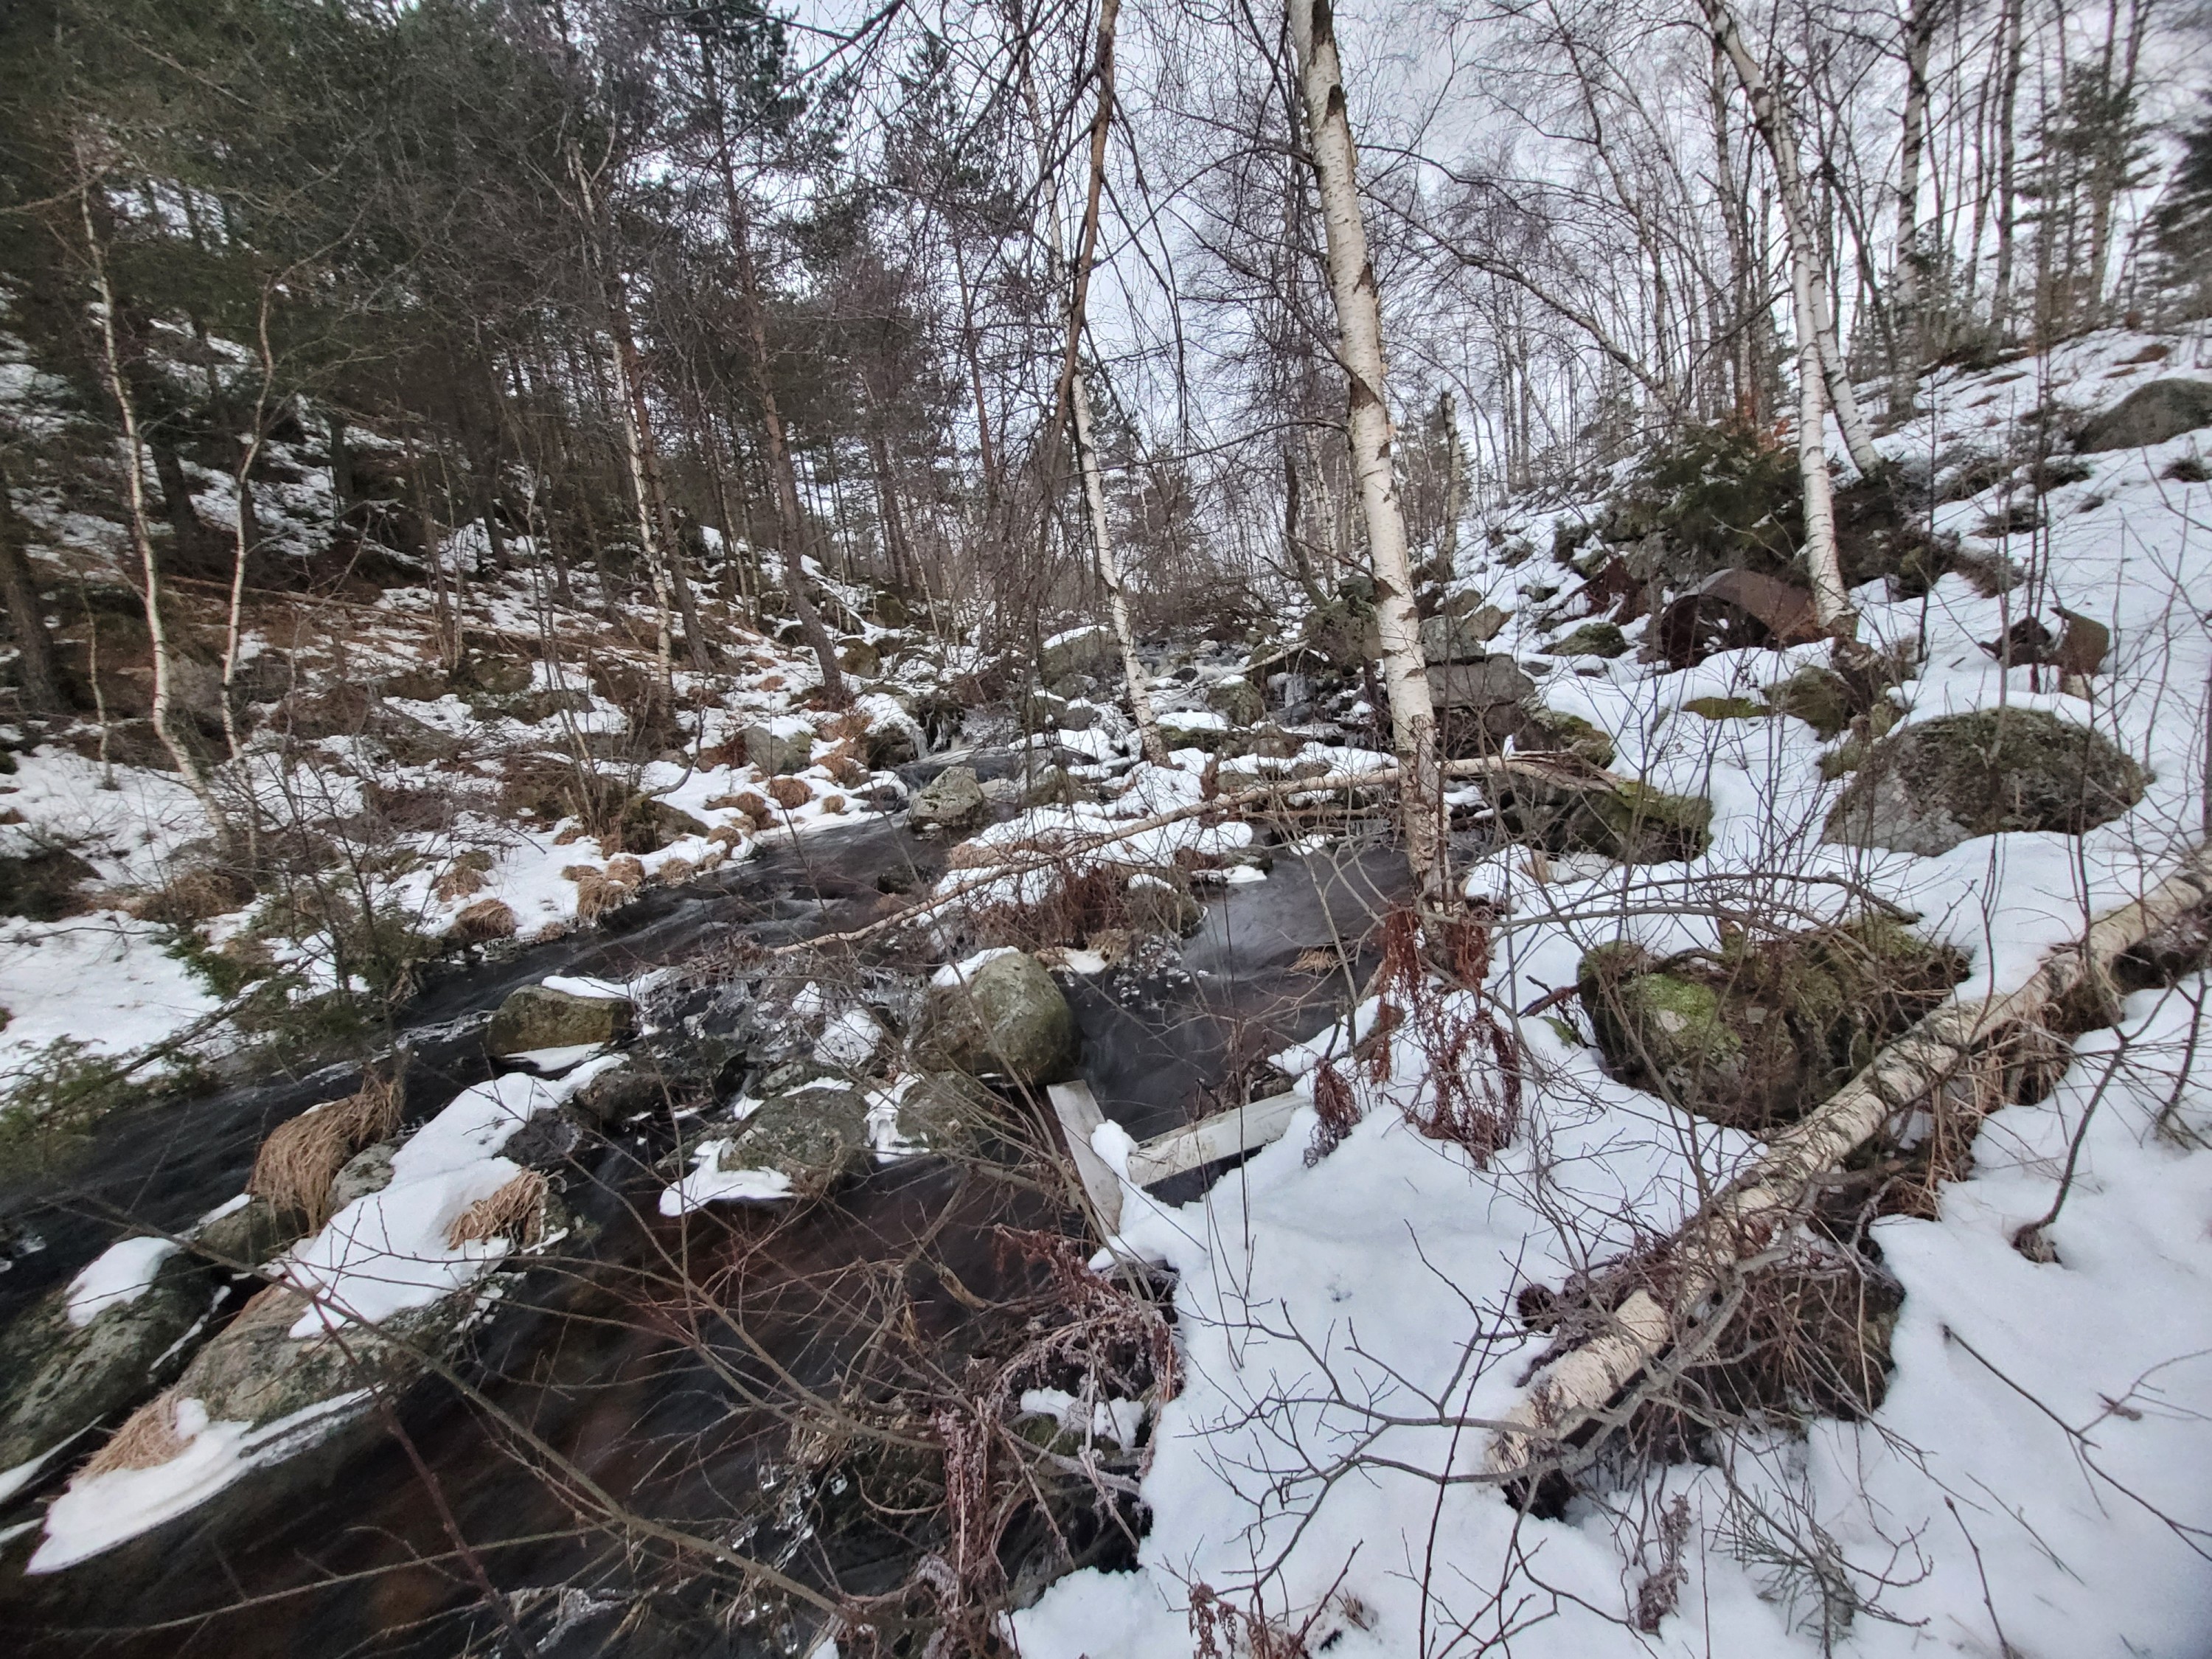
655 1358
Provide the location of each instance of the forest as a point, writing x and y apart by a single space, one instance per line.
856 828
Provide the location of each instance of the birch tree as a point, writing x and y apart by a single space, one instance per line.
1367 425
1777 134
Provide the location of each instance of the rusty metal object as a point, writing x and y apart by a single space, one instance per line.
1732 609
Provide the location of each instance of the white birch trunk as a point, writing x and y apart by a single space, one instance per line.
1077 384
1944 1052
1830 602
1359 349
1780 140
142 538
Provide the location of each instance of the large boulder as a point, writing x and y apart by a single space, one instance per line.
816 1137
1087 650
1004 1017
2150 415
539 1017
1479 685
1236 700
952 802
1759 1033
1631 822
1928 787
1461 635
776 753
59 1377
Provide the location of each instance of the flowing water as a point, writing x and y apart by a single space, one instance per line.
656 1357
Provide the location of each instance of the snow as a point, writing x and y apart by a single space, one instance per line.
94 1515
710 1183
850 1041
2033 1481
577 985
387 1252
118 1275
960 972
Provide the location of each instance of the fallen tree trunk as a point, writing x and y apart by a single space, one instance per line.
1946 1059
1561 770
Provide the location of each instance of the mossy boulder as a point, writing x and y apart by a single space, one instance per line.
1928 787
1757 1033
1596 639
1237 700
1007 1019
1819 696
816 1137
951 803
539 1017
1161 902
1052 786
1727 708
777 754
1549 729
57 1378
1089 650
1631 821
2149 414
647 825
250 1234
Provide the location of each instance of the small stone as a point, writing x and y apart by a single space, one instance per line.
1236 701
1727 708
1596 639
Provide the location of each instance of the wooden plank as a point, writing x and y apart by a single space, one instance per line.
1225 1135
1077 1108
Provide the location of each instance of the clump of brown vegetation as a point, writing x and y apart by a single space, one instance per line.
149 1438
789 793
297 1163
482 922
516 1211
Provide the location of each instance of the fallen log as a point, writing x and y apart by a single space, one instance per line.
1944 1059
1561 771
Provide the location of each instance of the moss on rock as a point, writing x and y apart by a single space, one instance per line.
1930 787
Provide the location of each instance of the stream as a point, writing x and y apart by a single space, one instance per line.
649 1353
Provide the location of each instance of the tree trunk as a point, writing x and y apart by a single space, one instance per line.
1075 389
2010 29
26 614
1907 336
783 477
1948 1053
141 536
1780 138
1359 349
1830 602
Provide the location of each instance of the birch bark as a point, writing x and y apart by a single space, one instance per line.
1367 423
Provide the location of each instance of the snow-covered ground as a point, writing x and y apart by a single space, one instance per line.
2034 1482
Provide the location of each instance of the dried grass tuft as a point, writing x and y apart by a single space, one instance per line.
626 870
148 1438
481 922
296 1163
516 1210
674 871
789 793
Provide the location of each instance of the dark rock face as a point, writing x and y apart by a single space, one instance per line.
1009 1020
1930 787
2150 415
539 1017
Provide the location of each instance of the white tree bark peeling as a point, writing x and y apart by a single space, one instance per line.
1947 1048
1359 349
